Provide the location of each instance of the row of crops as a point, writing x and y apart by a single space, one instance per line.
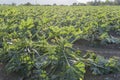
37 42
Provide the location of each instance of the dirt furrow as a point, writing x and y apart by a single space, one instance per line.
101 51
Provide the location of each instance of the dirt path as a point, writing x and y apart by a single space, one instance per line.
89 76
5 76
101 51
1 73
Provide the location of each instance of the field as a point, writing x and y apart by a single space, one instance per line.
60 42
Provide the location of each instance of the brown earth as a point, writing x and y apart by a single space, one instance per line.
104 50
5 76
89 76
109 50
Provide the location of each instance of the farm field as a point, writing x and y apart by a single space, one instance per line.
60 42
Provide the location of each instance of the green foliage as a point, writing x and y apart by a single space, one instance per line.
99 65
37 42
42 60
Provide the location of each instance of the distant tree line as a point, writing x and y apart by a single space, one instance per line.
107 2
98 2
92 3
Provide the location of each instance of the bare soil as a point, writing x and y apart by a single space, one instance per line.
5 76
89 76
104 50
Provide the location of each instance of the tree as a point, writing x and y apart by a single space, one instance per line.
13 4
90 3
117 2
28 4
74 4
54 4
81 4
95 2
107 2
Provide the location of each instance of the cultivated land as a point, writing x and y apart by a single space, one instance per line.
60 43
